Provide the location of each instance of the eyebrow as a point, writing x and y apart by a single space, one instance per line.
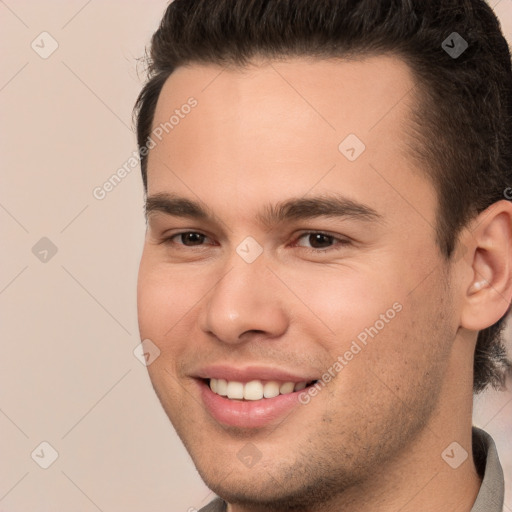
327 205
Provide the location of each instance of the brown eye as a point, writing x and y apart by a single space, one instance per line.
188 239
320 242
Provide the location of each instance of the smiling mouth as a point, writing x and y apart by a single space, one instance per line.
255 389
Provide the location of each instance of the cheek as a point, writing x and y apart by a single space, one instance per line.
163 301
164 297
409 355
342 301
373 320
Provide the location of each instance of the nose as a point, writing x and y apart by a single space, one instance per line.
247 300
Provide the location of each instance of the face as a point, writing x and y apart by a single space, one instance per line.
281 254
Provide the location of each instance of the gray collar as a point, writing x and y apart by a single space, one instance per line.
492 491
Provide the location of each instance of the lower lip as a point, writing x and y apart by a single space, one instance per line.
247 413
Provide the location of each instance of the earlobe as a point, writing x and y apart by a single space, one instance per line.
488 295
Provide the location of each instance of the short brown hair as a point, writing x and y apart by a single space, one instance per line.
464 113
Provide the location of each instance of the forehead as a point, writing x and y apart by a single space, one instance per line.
284 127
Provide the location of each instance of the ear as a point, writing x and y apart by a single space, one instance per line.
487 287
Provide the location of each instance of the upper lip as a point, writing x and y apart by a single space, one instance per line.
248 373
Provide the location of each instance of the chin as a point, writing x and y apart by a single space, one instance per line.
299 484
261 491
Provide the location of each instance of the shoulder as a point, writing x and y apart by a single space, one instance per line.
491 495
217 505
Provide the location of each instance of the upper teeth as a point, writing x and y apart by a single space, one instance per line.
255 389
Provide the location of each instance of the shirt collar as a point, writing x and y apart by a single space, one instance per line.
491 495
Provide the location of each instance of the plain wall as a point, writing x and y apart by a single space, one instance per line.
68 375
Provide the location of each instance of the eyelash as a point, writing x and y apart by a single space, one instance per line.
341 241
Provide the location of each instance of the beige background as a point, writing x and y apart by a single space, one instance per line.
68 375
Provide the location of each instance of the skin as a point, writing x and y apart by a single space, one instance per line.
372 439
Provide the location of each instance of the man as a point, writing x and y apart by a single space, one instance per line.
328 257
